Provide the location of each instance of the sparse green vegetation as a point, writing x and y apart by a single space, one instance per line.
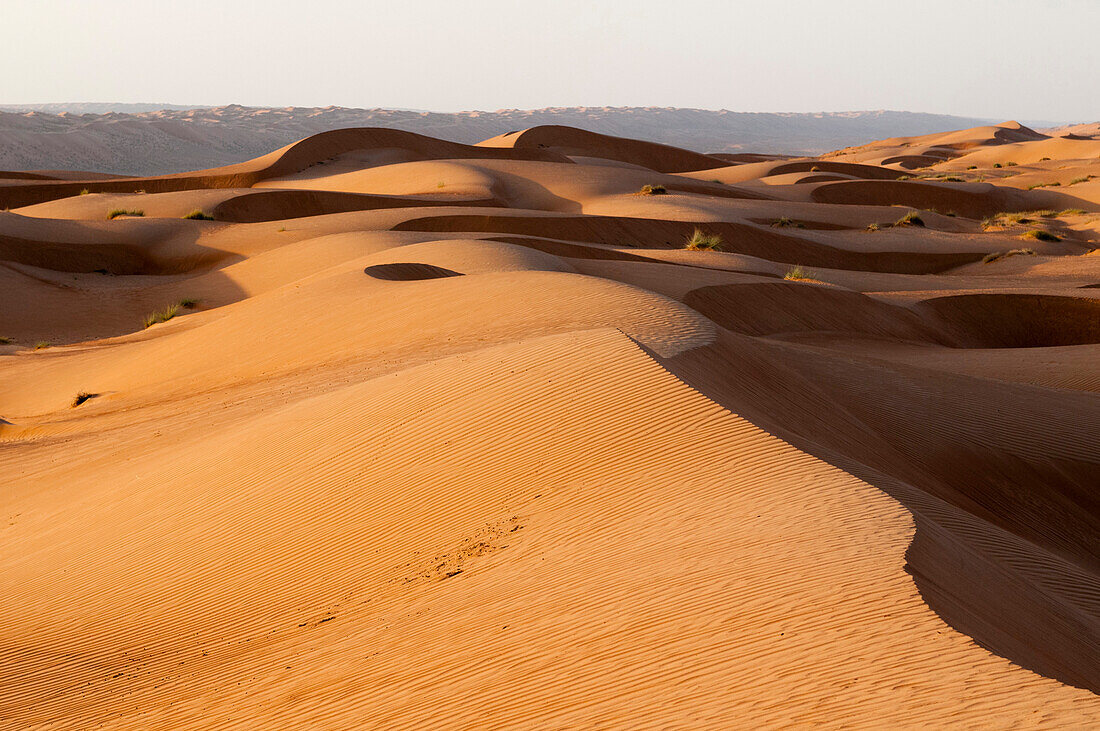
162 316
800 274
971 167
116 212
6 341
84 191
189 302
1084 179
910 219
1055 184
904 177
198 215
82 397
652 190
1043 159
700 241
439 184
872 227
42 345
784 222
997 165
951 179
1039 235
1010 164
1072 212
997 255
1023 217
281 229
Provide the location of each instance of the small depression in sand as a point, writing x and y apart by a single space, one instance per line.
409 272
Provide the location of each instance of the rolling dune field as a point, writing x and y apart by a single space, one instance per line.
555 430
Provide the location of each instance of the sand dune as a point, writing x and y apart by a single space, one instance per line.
406 433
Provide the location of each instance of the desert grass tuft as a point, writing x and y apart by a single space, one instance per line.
82 397
700 241
42 345
84 191
998 255
652 190
162 316
872 227
910 219
784 222
1039 235
198 215
799 273
1005 218
116 212
6 341
1054 184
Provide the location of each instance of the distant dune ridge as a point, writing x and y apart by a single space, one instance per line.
560 429
141 141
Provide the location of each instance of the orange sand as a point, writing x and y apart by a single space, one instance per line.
462 437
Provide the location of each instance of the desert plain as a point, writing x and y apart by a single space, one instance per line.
556 430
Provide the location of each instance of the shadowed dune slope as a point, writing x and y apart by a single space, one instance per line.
415 434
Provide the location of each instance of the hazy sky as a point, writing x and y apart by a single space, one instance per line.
986 58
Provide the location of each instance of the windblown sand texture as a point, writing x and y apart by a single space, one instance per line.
432 435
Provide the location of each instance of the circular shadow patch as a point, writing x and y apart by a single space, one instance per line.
409 272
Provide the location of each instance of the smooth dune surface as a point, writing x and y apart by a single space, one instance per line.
385 431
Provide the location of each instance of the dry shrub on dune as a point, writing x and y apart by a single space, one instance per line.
998 255
161 316
1040 235
910 219
116 212
799 273
701 241
785 222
